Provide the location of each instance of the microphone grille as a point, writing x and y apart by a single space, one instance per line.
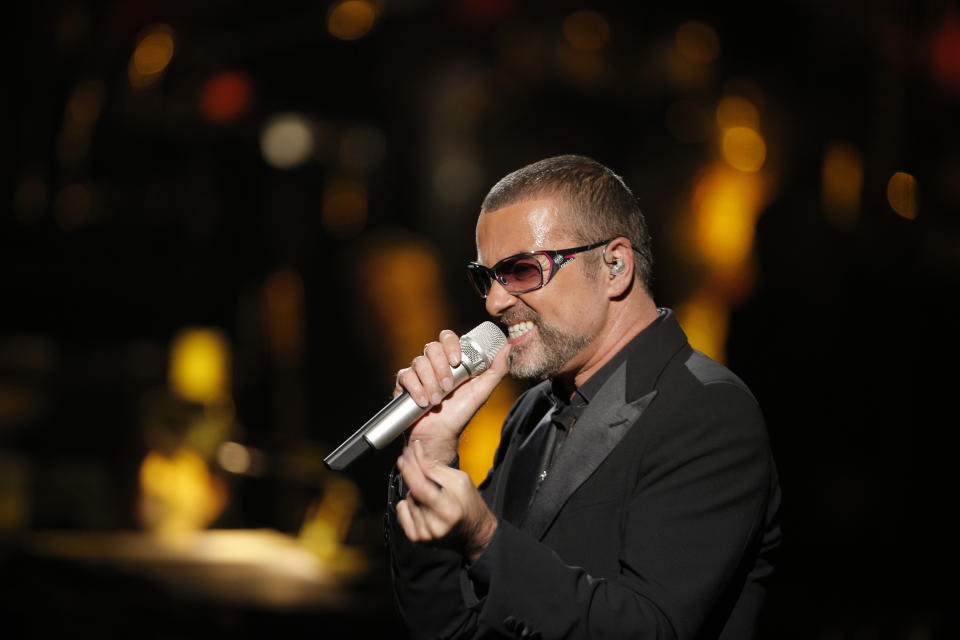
480 346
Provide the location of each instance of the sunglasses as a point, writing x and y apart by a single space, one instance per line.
524 272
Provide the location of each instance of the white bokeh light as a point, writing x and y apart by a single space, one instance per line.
287 140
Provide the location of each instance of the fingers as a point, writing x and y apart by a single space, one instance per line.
422 488
451 346
442 504
420 515
412 521
433 471
428 379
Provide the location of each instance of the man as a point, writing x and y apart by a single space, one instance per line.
633 493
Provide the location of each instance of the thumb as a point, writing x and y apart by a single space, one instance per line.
433 469
495 372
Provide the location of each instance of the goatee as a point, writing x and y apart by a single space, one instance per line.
547 353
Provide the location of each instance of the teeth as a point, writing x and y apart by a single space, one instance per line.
517 330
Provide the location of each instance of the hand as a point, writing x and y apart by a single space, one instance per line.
442 504
428 380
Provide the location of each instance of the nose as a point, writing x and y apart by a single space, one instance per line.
498 299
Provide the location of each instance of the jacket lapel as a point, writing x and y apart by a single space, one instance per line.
523 470
601 427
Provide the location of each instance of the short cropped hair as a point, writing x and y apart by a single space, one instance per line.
599 204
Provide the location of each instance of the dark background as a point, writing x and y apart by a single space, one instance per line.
843 334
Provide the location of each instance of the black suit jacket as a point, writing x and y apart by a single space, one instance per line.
657 520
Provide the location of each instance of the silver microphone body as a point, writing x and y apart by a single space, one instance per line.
478 348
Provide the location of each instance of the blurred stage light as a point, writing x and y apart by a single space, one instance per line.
199 368
725 206
945 51
344 210
351 19
151 55
586 30
902 194
178 493
225 96
400 280
287 140
85 103
697 42
842 180
479 440
705 319
283 315
234 457
734 111
743 149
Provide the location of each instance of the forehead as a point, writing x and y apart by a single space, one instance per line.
524 226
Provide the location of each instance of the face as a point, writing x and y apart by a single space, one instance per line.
550 329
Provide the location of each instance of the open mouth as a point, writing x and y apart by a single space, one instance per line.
514 331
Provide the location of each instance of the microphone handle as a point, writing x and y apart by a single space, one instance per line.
383 428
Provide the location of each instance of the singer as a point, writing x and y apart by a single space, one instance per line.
633 493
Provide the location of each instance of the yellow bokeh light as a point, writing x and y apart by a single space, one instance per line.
178 493
698 42
200 365
743 149
400 281
842 180
902 194
351 19
705 320
482 435
725 206
586 30
152 55
734 111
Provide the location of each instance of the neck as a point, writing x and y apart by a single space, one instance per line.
626 319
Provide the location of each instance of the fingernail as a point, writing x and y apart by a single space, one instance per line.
422 401
436 398
447 384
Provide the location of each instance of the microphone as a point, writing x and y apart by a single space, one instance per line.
479 347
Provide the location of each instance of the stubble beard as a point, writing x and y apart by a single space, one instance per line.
547 353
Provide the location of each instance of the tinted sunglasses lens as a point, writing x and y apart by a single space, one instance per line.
481 280
519 274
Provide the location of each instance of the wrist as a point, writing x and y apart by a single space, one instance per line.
482 537
443 450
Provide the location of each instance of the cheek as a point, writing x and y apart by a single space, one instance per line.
574 312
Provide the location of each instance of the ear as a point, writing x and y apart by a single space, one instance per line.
618 256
